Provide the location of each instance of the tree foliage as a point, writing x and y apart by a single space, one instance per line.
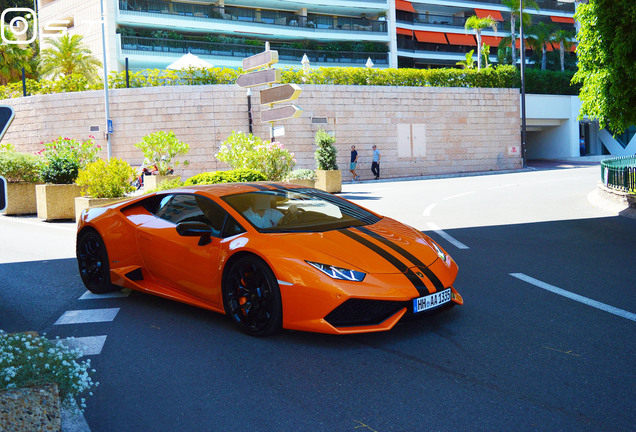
607 62
69 55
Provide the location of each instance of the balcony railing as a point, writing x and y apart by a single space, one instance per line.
553 5
231 13
439 20
167 47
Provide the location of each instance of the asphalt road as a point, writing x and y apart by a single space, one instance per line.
515 356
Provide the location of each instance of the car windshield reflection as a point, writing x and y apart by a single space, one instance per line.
301 210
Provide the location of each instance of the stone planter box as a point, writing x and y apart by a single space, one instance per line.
303 182
329 180
31 409
56 201
21 198
83 203
153 181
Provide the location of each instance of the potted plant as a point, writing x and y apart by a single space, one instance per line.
37 377
22 173
63 158
328 177
302 177
159 149
103 183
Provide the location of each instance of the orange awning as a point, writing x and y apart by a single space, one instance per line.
572 48
483 13
405 32
518 44
429 36
461 39
404 5
558 19
492 41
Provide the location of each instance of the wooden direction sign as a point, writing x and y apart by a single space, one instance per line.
281 113
281 93
253 79
266 58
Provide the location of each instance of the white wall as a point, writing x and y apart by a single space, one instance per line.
554 127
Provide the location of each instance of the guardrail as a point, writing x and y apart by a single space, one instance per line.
619 173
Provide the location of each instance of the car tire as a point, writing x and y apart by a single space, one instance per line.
92 260
251 297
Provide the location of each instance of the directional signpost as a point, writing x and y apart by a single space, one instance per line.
272 95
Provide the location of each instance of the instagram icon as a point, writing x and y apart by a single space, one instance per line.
19 25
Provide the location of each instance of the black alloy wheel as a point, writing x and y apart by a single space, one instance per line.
92 260
251 297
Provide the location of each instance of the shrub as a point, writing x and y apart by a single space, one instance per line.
29 360
59 169
64 157
326 152
238 175
101 179
241 150
302 174
160 148
20 167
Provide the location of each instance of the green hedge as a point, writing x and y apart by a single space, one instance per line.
238 175
506 76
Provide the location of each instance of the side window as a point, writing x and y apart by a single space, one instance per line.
179 208
231 227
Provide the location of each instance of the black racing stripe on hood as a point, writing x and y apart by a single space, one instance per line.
399 265
406 254
258 186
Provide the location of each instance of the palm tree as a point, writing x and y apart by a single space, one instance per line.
69 55
542 35
563 37
12 59
477 25
515 12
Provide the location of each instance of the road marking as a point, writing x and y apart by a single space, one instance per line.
115 294
87 316
458 195
89 345
447 237
595 304
563 352
427 210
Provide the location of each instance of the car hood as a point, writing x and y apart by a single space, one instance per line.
383 247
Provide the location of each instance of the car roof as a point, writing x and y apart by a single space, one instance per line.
223 189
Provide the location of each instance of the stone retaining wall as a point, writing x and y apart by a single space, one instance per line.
419 130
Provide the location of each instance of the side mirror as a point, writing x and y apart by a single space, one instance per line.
195 229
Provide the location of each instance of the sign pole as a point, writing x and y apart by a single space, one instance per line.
524 159
108 144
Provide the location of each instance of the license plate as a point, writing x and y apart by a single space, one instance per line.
431 301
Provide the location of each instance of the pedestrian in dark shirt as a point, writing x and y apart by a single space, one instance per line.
354 161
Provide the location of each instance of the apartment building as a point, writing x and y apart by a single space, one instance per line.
392 33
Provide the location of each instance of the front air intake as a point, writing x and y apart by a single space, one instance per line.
360 312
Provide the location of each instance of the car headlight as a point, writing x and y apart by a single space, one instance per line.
338 272
440 253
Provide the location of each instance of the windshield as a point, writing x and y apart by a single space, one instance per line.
299 210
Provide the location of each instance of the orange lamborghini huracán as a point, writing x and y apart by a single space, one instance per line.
269 255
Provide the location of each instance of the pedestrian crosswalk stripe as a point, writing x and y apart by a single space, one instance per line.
87 316
89 345
115 294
